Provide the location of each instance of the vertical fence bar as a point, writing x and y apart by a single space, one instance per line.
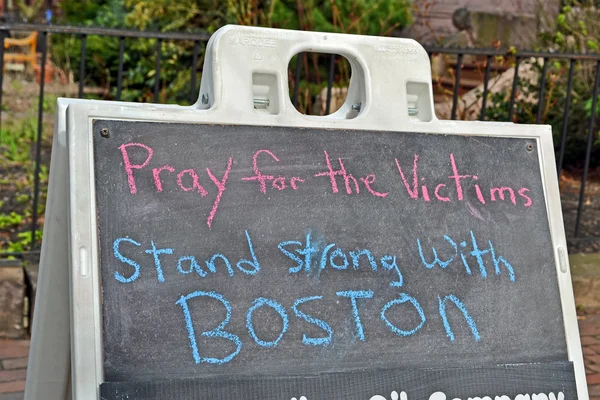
193 92
538 117
3 35
82 64
588 150
297 80
486 80
157 69
330 83
513 92
565 125
456 86
120 73
38 144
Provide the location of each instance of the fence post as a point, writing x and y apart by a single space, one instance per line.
38 145
157 69
588 150
82 64
330 83
563 136
538 117
3 35
120 72
456 86
513 92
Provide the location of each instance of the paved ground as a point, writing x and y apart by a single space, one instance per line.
589 330
13 359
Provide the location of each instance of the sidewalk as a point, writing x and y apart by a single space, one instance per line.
13 359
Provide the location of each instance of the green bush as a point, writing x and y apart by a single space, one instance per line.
372 17
577 31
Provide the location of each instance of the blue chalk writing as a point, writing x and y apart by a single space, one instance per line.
389 263
355 255
156 252
338 253
353 295
125 260
436 259
475 252
500 259
463 309
194 266
298 267
218 332
478 254
254 263
210 264
323 263
263 301
307 252
462 255
312 320
403 298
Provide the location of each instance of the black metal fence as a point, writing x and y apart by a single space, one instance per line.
199 41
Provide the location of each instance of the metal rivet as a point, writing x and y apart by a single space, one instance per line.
104 132
529 147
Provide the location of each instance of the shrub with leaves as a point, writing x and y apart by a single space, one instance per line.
369 17
577 31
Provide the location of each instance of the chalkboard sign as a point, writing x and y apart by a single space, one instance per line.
253 252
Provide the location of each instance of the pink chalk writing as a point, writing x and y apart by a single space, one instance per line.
414 193
156 172
278 183
368 181
438 195
195 182
425 192
259 176
331 173
294 181
451 186
221 187
350 182
457 177
478 191
500 192
129 167
528 201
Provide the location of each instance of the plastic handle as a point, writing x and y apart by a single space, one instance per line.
390 76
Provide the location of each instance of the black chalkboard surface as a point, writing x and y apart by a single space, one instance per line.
245 251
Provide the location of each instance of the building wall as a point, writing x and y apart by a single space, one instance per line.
518 20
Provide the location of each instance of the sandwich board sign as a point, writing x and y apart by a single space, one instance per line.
225 250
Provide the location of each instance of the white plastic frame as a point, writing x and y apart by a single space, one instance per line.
381 69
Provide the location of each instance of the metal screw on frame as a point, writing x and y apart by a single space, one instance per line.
261 103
